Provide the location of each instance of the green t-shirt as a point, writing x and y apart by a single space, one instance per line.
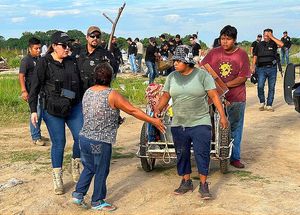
189 95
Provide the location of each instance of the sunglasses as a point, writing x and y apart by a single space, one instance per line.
63 45
93 36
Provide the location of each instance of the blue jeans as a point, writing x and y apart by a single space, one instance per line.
95 157
183 137
139 58
236 112
264 73
56 129
132 63
284 55
36 131
151 70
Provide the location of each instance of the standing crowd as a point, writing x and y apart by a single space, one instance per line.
74 90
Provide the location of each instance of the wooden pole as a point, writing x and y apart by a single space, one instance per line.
114 24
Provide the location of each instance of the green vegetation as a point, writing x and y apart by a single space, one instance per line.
23 156
246 175
14 110
117 153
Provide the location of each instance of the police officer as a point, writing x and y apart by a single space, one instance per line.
57 76
264 58
91 55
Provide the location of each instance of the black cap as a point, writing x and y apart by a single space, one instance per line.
60 37
285 32
259 35
163 36
129 39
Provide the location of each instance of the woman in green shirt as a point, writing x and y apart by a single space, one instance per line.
189 88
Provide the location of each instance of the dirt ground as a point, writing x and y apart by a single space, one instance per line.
270 183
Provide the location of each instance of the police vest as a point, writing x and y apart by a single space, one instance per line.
62 76
87 66
266 53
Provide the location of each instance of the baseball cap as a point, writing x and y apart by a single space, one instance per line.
285 32
184 54
93 29
259 35
60 37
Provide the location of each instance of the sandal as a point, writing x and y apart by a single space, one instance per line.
104 206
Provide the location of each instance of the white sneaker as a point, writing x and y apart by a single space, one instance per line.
262 107
269 108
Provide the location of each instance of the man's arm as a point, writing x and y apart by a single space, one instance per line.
23 87
254 60
277 41
236 82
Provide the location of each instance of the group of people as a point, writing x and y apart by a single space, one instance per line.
76 91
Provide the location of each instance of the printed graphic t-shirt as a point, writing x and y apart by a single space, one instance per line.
228 67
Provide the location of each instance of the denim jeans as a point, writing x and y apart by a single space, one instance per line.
56 129
284 55
139 58
95 157
132 63
36 131
151 70
236 112
200 136
264 73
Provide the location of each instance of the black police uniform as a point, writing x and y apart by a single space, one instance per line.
266 53
51 77
87 63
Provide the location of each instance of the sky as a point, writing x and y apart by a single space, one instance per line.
146 18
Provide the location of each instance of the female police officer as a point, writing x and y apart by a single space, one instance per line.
57 77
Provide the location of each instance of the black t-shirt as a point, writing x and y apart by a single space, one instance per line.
132 48
195 49
266 53
27 66
150 51
287 42
254 44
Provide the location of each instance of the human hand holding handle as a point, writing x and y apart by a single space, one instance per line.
224 122
159 125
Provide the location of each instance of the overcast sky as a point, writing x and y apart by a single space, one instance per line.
145 18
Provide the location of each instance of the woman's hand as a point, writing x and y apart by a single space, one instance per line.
224 122
159 125
34 119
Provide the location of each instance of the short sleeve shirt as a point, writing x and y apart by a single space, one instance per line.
189 96
27 66
229 66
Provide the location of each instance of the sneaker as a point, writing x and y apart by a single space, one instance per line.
75 165
237 164
185 186
38 142
262 107
80 203
103 206
58 181
204 191
269 108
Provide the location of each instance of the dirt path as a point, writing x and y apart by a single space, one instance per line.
268 185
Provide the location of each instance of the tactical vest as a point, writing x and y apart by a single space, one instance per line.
87 66
266 55
62 76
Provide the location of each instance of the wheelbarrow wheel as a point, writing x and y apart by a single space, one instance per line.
224 138
147 163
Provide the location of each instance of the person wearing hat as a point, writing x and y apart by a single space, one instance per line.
285 50
189 88
57 77
254 44
178 40
91 55
231 64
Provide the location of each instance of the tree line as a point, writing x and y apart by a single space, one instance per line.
45 37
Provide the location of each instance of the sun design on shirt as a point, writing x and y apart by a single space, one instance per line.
225 69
